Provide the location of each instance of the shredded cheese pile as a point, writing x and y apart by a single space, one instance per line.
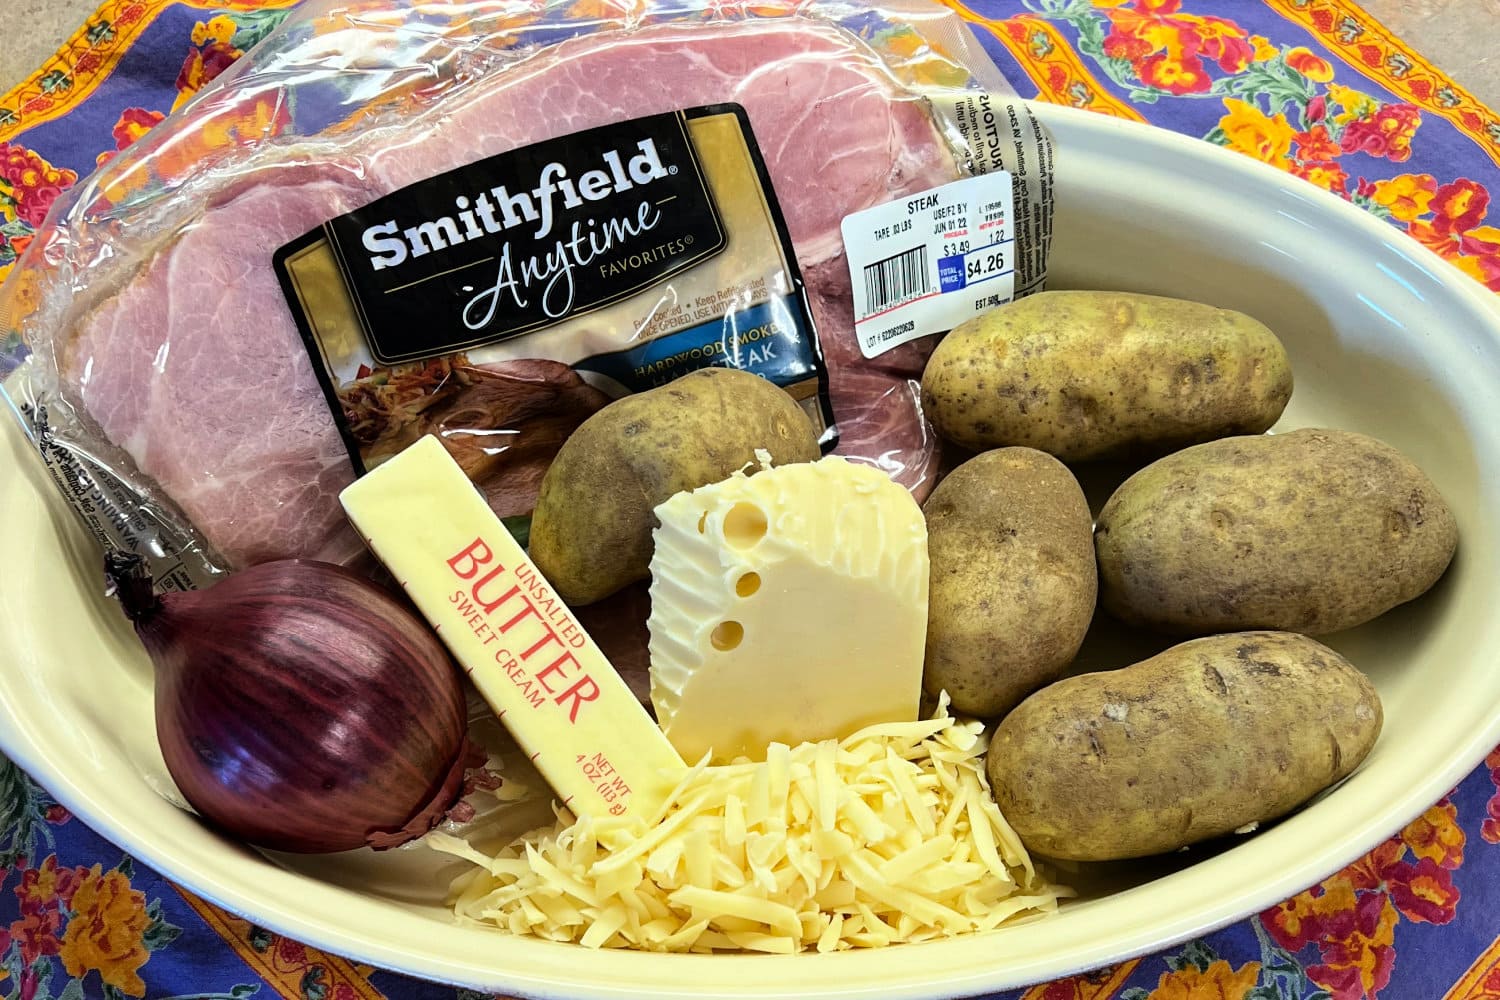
887 836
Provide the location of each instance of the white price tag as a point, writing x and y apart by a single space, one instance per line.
926 263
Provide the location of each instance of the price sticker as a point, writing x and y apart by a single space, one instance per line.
926 263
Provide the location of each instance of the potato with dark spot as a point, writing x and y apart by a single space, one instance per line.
1012 582
591 530
1105 375
1312 531
1196 742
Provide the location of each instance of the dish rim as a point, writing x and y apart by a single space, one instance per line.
286 918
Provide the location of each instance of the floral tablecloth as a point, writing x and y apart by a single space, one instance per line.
1314 87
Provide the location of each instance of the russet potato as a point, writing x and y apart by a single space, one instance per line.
1313 531
1012 578
1087 375
1196 742
591 530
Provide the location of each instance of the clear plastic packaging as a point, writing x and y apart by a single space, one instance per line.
169 388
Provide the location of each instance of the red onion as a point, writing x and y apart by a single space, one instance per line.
300 707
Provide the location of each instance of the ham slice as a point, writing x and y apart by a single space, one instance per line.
194 367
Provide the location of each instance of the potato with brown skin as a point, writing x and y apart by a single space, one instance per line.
1194 743
591 530
1312 531
1105 375
1012 578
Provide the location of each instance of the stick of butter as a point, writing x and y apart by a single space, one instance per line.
525 651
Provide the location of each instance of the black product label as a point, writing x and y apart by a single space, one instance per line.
771 340
627 255
519 241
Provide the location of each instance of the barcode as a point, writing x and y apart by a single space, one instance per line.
896 279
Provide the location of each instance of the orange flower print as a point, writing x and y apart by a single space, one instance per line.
1459 206
1224 42
1490 828
1131 48
1424 892
1264 50
1406 195
105 933
1358 964
220 28
915 59
1327 175
216 130
1370 871
34 183
604 11
201 66
1309 64
132 124
1437 836
1079 986
1249 130
19 297
1481 257
1352 104
903 43
1311 915
18 245
1175 76
1217 982
1167 49
213 52
1454 233
1316 145
1315 159
1351 917
36 933
1387 133
46 885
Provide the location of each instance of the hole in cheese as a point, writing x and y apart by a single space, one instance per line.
744 525
703 523
747 584
727 635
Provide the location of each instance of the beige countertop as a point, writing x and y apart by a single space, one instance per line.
1458 35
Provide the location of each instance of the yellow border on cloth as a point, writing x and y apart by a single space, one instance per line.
85 63
1370 48
1482 981
284 969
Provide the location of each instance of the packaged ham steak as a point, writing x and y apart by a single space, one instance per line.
483 220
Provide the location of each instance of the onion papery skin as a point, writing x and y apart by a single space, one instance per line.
302 708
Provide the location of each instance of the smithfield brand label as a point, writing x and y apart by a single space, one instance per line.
594 218
632 253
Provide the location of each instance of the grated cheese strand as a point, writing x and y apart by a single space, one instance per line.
886 837
909 862
775 916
